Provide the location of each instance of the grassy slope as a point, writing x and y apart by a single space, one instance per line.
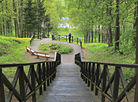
99 51
12 49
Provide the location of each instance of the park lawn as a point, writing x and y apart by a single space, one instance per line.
12 49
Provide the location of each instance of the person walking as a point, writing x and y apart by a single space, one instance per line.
69 36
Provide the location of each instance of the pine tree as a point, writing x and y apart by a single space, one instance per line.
30 18
47 24
40 14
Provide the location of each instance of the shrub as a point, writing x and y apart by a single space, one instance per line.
55 47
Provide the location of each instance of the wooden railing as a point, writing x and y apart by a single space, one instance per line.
31 77
97 76
65 38
39 36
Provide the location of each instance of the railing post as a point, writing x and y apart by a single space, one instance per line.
81 43
47 69
21 83
66 38
116 84
44 75
77 40
97 78
54 65
136 90
2 95
72 39
86 72
33 83
40 79
59 37
103 83
50 69
89 73
93 76
82 70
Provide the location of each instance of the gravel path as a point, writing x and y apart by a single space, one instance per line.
65 58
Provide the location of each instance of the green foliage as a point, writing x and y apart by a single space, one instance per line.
55 47
12 49
30 18
99 52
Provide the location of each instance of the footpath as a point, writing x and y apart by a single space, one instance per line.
68 85
65 58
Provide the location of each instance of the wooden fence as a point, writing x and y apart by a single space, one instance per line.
39 36
97 75
38 76
65 38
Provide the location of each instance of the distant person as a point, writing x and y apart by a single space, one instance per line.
69 36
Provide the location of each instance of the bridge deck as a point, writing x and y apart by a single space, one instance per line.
68 87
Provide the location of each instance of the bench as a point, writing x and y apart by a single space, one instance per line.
41 54
29 49
36 53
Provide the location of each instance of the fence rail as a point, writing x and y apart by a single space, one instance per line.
39 36
97 76
65 38
38 76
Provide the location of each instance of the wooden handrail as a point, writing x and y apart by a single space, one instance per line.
33 36
64 37
38 75
97 74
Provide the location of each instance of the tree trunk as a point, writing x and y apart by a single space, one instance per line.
86 37
3 27
95 35
102 35
92 36
99 33
136 27
15 21
21 19
117 30
110 36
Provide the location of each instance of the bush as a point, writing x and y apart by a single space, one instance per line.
55 47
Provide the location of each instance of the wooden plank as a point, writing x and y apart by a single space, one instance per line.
44 75
93 76
2 94
89 74
136 90
97 78
10 94
124 84
21 83
116 84
33 83
108 76
103 84
40 79
47 69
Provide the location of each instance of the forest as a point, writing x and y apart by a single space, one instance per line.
114 22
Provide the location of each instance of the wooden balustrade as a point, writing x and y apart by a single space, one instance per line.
65 38
39 36
38 76
97 75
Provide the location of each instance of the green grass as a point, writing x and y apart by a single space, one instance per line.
56 47
100 52
12 49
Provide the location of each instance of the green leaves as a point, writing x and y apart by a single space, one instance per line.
55 47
